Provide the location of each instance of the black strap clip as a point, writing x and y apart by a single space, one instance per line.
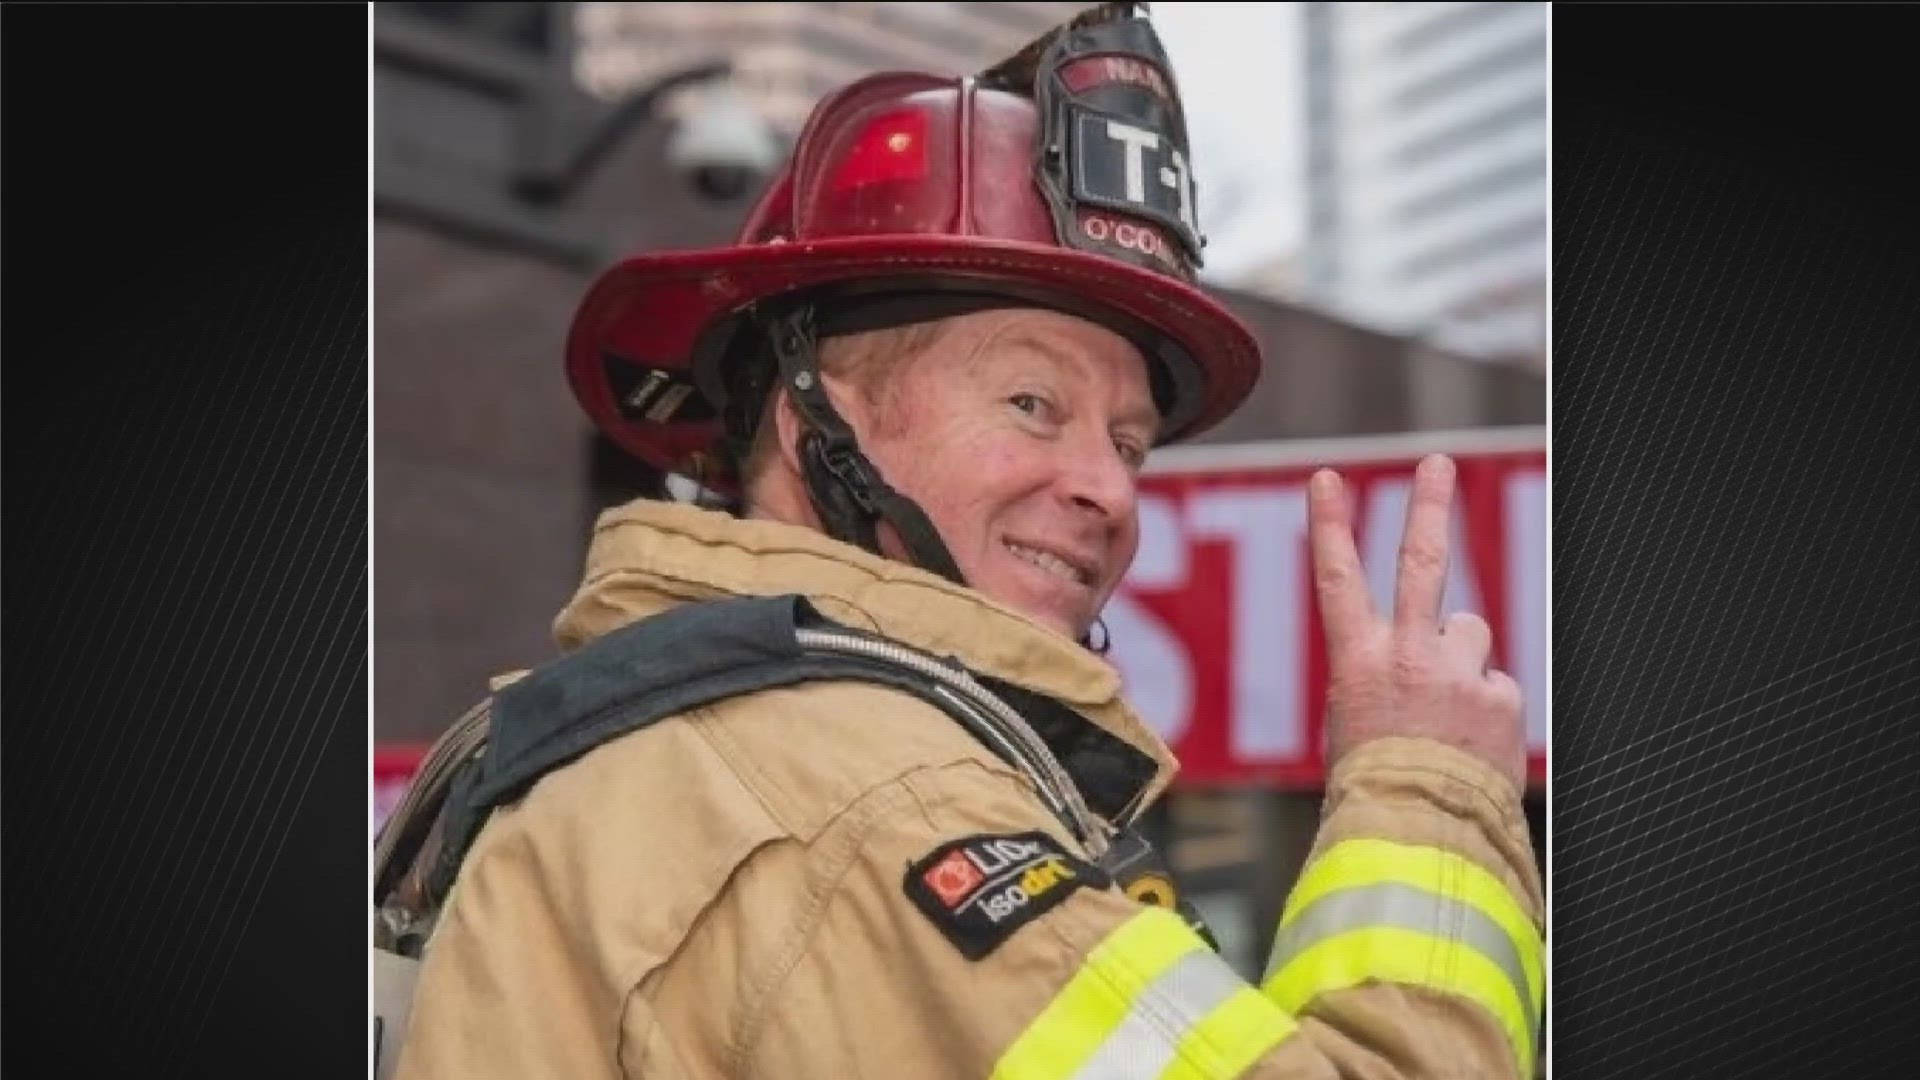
851 468
1144 875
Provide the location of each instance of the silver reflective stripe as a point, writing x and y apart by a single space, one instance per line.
1169 1007
1406 908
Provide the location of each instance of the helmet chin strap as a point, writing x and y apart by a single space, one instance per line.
846 489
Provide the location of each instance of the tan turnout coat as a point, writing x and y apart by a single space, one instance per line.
726 893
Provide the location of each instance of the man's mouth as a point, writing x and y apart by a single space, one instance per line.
1075 572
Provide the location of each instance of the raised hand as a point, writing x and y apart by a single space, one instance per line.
1411 672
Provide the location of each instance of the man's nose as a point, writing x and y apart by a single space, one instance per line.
1099 480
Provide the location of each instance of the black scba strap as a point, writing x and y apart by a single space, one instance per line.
847 490
700 653
1113 146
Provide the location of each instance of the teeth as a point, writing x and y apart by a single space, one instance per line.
1045 561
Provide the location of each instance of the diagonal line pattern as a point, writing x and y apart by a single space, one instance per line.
185 620
1736 693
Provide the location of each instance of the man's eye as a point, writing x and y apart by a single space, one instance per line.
1129 453
1027 403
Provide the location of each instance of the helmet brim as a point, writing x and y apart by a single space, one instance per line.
655 311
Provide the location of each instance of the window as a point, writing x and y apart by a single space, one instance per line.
1476 246
1485 183
1530 109
1461 20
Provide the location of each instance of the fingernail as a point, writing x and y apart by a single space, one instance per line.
1326 483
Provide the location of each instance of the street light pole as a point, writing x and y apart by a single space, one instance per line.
549 173
551 166
557 136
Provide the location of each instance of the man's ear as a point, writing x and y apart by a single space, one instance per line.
786 431
788 427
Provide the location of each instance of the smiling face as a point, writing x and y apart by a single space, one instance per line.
1021 433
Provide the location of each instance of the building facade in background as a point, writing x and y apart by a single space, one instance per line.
786 56
1424 196
1426 185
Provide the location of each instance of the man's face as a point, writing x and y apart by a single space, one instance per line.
1021 434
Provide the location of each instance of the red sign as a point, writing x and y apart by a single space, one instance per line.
393 768
1216 629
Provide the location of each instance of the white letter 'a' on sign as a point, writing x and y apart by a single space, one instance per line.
1268 528
1138 141
1153 662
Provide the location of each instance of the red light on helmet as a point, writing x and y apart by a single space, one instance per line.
892 149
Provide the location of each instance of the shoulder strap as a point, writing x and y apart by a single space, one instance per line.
661 667
644 672
699 653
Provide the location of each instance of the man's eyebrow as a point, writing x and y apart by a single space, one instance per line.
1147 415
1039 343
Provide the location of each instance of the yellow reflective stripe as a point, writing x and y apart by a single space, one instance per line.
1391 904
1411 958
1152 1002
1352 863
1079 1018
1231 1038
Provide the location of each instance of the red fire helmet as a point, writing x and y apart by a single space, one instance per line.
1063 181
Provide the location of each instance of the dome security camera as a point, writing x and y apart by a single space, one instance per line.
723 147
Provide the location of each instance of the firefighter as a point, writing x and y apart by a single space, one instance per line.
917 391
